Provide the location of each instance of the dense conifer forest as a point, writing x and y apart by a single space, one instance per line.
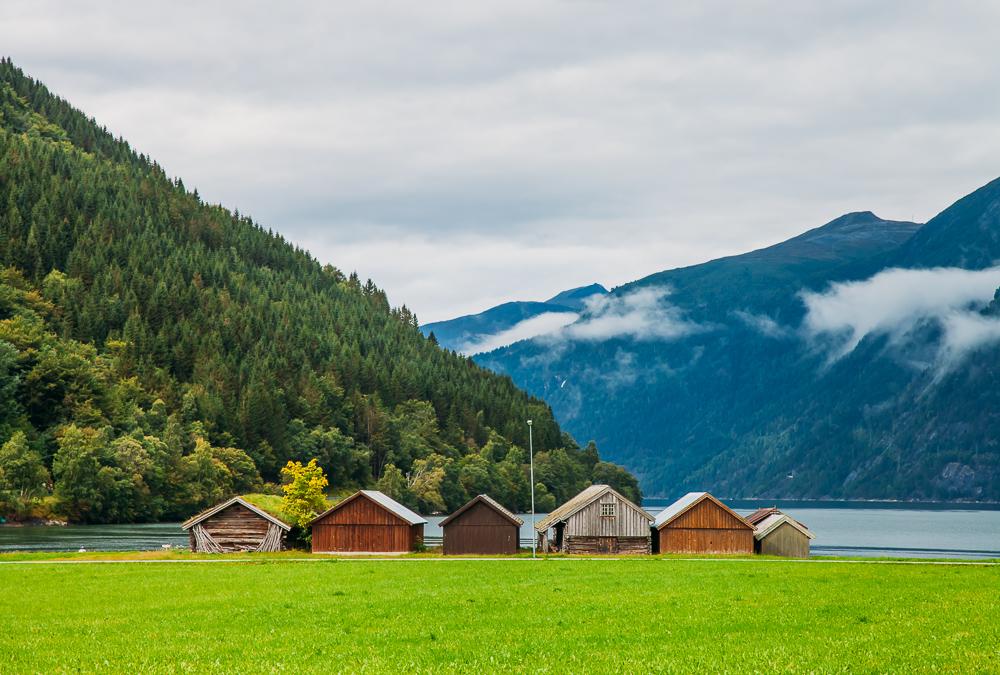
158 353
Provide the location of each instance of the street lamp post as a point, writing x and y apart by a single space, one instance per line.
531 462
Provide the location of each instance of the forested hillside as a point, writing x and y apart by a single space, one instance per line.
858 360
158 353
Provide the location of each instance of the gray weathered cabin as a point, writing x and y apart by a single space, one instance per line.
235 525
777 533
598 520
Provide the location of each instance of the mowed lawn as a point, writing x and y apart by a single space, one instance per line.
580 616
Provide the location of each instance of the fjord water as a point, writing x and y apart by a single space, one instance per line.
841 528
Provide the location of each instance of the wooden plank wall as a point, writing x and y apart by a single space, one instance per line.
708 514
614 545
363 525
480 529
706 528
588 521
236 528
705 541
785 541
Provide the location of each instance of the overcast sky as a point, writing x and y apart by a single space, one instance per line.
462 154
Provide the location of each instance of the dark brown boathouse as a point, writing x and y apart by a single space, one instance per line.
368 521
235 525
482 526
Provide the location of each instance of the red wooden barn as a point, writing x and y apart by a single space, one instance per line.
481 526
700 523
367 521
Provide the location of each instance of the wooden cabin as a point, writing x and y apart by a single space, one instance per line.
598 520
700 523
777 533
370 522
235 525
482 526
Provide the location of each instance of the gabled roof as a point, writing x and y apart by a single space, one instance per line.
587 496
194 520
383 500
489 501
760 514
774 521
682 505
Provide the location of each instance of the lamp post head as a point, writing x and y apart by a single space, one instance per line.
529 423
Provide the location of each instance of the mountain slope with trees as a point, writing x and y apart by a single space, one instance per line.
158 353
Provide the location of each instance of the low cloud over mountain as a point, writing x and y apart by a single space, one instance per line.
895 302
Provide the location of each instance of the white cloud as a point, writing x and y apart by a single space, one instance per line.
523 330
642 314
762 323
896 301
964 332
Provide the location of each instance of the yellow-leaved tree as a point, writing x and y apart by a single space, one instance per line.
304 486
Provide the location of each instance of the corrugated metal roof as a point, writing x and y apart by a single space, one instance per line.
760 514
194 520
393 506
497 506
585 497
773 521
677 508
383 500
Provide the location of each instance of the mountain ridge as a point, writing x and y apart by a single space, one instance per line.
465 333
758 404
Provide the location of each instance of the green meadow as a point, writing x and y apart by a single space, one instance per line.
463 615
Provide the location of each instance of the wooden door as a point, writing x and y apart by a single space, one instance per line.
607 545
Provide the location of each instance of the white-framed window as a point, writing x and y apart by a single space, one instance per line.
608 509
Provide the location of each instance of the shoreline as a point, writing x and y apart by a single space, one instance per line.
832 501
295 555
820 503
38 522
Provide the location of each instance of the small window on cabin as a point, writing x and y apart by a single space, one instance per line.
608 510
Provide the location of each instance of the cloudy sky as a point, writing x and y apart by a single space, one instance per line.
462 154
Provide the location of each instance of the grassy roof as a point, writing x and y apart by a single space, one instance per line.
269 503
272 504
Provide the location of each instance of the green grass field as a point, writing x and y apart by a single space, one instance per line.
558 615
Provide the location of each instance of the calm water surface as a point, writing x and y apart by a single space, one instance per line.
841 528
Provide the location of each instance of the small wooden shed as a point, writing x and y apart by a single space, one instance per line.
368 521
235 525
700 523
777 533
482 526
598 520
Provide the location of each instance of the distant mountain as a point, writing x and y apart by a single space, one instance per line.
576 298
512 321
860 359
760 279
966 234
